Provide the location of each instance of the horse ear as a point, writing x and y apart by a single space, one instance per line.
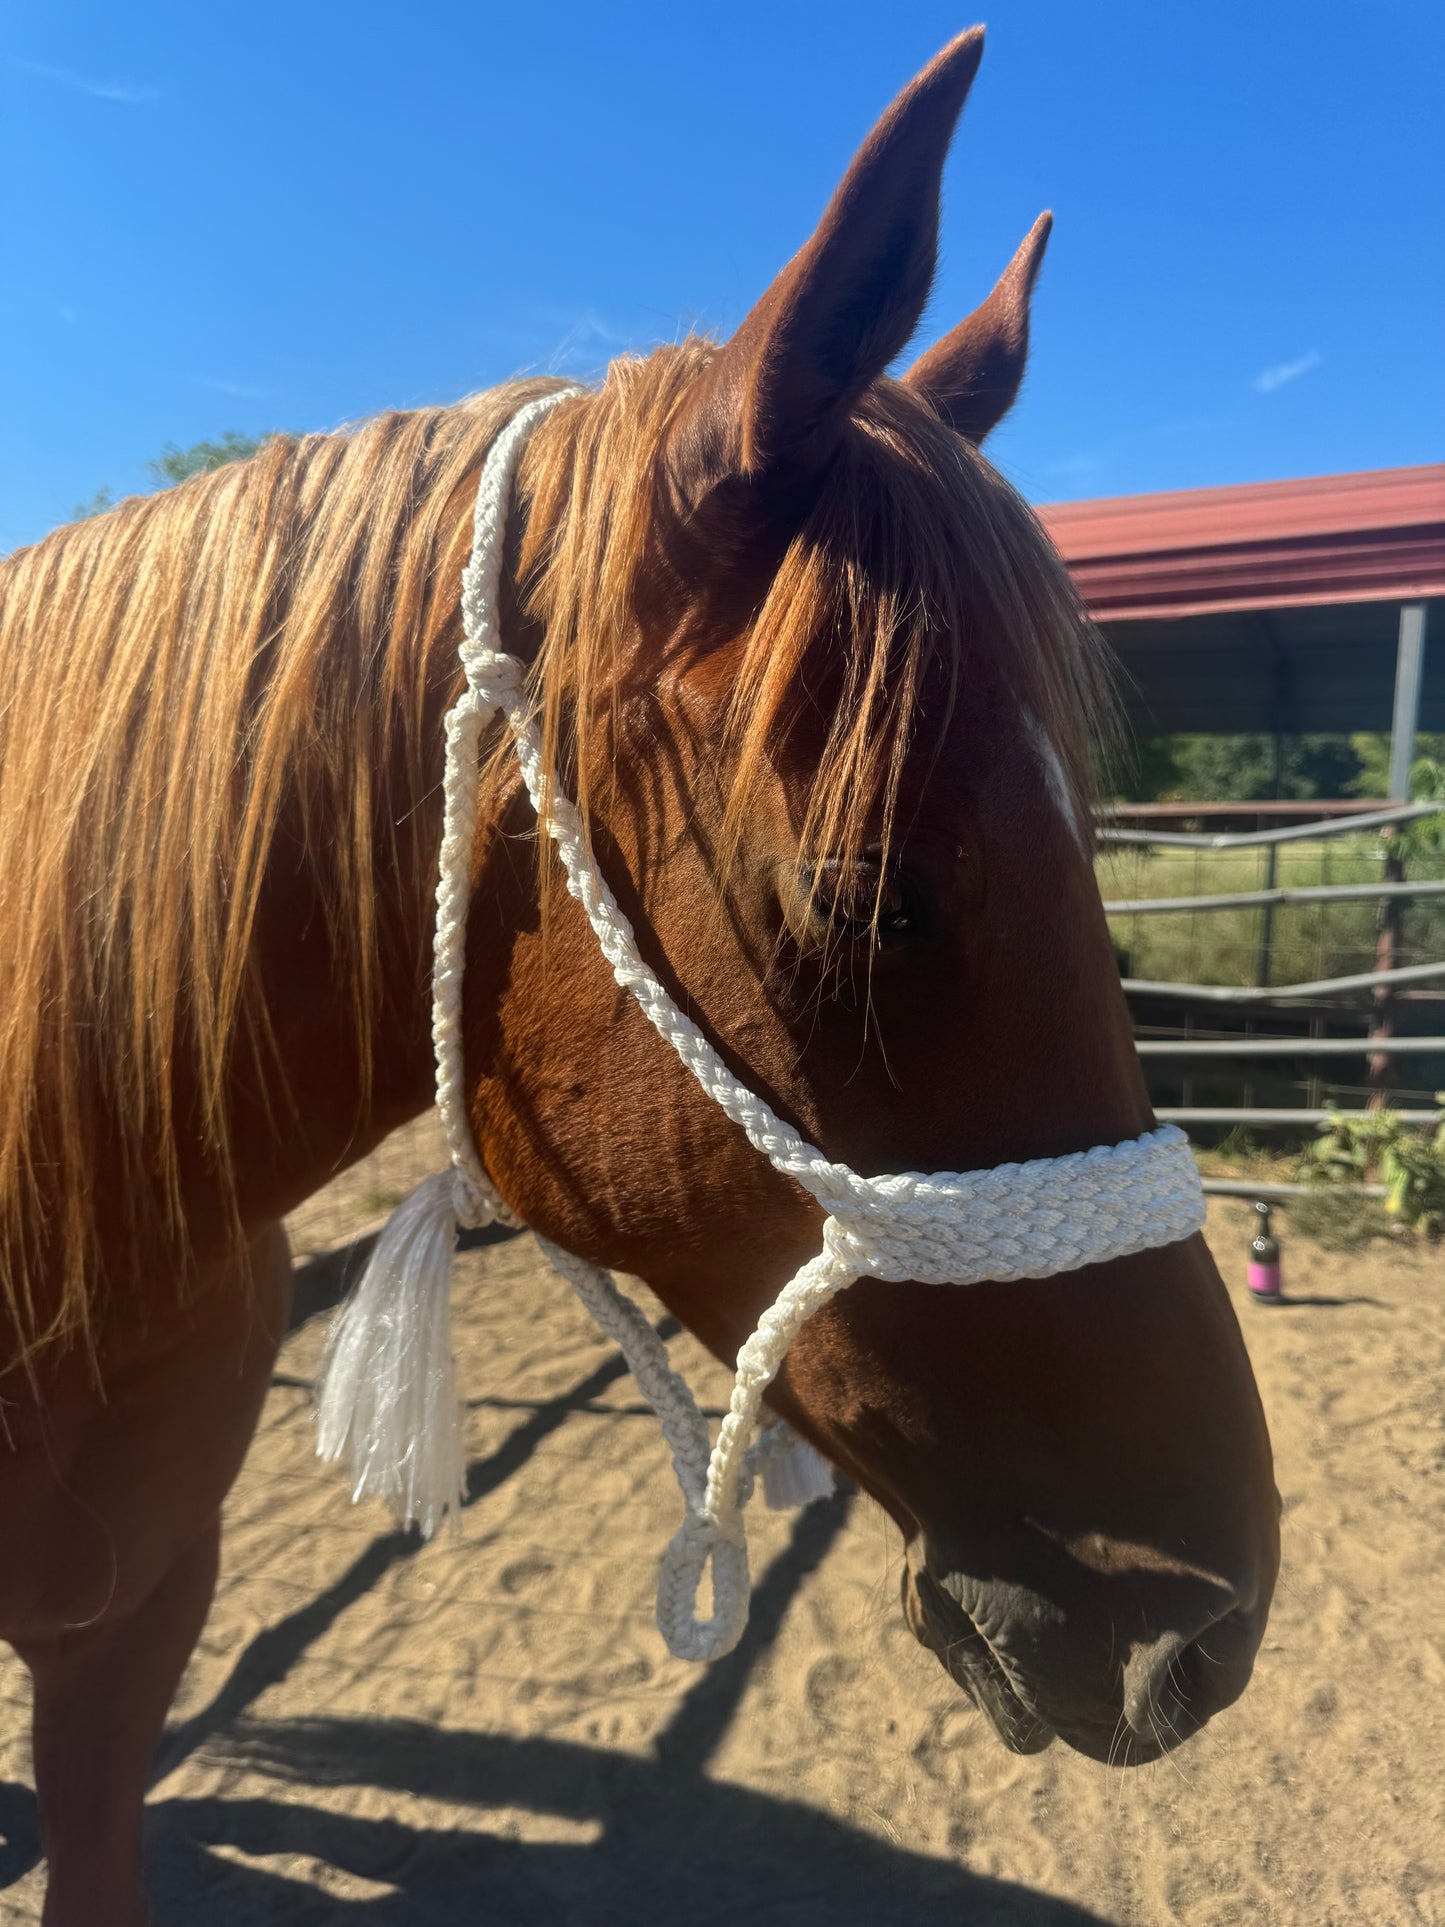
972 374
774 402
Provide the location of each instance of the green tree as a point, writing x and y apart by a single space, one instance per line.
103 499
175 464
1241 769
1373 752
1143 769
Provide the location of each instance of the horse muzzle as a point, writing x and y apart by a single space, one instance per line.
1123 1682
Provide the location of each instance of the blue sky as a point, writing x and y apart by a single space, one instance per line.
291 216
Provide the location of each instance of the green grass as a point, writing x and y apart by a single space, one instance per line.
382 1200
1241 1154
1341 1218
1310 940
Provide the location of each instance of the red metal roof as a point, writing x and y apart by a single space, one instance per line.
1373 537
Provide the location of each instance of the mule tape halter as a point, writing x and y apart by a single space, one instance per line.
388 1396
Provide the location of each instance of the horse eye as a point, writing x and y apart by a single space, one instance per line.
859 901
895 914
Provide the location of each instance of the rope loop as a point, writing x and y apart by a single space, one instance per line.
698 1540
475 1209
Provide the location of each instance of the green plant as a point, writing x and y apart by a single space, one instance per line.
1340 1217
1423 837
1408 1162
1237 1146
1341 1153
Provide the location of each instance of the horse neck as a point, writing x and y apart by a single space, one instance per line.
333 1078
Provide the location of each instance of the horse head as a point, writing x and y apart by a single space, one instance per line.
826 699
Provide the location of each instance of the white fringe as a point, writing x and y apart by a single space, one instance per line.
387 1392
794 1472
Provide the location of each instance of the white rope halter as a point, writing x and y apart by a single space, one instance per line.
388 1394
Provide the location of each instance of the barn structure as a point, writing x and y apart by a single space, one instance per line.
1278 607
1282 608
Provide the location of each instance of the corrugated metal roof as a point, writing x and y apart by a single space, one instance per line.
1378 536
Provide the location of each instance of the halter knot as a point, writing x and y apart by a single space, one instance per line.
498 679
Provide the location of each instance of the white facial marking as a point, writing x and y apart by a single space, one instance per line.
1055 779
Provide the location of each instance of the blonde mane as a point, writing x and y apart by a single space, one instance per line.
262 645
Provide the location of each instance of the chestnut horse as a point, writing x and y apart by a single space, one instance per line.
821 688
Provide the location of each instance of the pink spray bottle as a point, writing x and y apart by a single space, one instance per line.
1265 1285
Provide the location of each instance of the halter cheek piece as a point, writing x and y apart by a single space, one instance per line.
388 1397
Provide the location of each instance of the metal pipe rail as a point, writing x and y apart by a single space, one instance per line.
1281 993
1243 1188
1292 893
1286 1046
1188 1114
1249 839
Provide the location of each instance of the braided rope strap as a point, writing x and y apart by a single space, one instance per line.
1028 1220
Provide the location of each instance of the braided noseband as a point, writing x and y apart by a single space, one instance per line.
388 1396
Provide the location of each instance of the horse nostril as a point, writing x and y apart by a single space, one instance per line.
1174 1683
1154 1704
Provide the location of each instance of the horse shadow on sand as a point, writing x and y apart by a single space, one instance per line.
629 1840
650 1844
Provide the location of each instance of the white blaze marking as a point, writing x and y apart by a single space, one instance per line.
1055 779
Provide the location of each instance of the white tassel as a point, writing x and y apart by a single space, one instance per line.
387 1393
794 1472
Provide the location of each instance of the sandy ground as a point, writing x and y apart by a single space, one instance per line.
487 1729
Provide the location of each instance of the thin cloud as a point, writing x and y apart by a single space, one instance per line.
1091 461
541 340
1268 379
588 338
1073 468
240 390
123 92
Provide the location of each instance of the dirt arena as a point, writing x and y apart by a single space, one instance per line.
488 1729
